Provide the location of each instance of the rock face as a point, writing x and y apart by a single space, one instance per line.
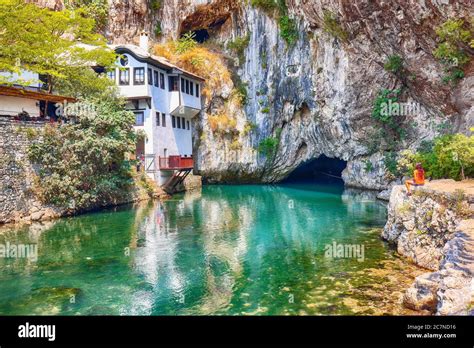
316 95
127 19
56 5
420 225
433 229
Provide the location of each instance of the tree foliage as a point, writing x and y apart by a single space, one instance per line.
454 37
279 10
82 165
186 43
98 10
189 55
266 5
239 45
288 29
391 122
448 156
394 64
46 42
269 146
85 83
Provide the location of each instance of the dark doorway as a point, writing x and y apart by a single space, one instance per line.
319 170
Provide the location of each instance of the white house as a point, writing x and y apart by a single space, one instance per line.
28 100
165 100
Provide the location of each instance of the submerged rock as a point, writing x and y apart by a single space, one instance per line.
50 300
422 294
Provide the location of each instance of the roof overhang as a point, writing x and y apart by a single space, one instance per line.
139 97
20 92
185 111
147 99
156 61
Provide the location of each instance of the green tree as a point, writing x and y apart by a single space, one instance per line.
279 10
332 26
83 165
269 146
288 29
186 43
454 40
51 43
449 156
85 83
454 48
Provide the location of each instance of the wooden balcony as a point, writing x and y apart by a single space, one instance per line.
175 163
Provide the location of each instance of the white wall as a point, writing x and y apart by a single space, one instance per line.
132 90
147 123
174 100
192 100
12 106
176 141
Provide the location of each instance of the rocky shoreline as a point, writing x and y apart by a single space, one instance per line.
434 228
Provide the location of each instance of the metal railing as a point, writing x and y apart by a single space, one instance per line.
175 162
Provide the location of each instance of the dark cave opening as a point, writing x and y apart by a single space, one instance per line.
201 35
321 170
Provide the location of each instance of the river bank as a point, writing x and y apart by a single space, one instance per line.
434 229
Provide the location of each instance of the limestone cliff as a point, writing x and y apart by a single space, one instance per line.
434 229
315 95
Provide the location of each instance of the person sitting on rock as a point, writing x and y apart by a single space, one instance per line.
418 178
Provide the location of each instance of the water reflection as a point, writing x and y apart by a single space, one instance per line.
227 250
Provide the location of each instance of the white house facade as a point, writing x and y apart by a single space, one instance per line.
165 100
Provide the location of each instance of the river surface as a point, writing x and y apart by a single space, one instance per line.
225 250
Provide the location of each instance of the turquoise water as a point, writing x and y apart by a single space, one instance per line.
225 250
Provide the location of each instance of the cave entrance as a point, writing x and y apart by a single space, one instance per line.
321 170
201 35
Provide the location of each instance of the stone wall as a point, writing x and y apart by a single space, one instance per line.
17 198
434 229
